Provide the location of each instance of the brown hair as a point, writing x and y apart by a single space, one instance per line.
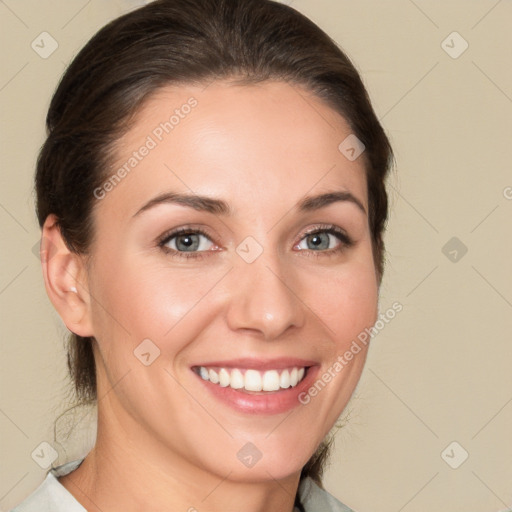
177 42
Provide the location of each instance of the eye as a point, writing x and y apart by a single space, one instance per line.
186 242
323 240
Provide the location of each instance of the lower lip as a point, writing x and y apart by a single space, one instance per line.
274 402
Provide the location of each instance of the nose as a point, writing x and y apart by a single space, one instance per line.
265 298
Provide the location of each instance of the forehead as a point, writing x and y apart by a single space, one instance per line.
255 143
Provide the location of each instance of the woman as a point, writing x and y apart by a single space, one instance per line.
212 202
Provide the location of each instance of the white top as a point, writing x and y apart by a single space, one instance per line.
52 496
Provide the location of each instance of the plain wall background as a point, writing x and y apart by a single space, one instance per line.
440 371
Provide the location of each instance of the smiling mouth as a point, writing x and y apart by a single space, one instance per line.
253 381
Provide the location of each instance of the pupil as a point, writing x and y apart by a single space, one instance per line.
186 241
316 241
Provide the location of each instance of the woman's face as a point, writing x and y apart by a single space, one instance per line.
264 286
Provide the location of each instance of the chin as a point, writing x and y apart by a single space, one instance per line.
263 460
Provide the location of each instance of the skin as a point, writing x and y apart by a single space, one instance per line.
161 439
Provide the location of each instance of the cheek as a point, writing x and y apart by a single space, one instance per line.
156 301
347 304
346 301
150 301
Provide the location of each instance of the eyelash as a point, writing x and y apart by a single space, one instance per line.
345 240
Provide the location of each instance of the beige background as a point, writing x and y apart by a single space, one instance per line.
441 370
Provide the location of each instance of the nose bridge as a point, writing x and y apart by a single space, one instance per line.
263 297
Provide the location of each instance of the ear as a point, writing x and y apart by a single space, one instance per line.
65 278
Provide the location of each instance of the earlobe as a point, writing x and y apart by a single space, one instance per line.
64 277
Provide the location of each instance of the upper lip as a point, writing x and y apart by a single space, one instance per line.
260 364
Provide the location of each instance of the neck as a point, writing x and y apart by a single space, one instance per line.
131 471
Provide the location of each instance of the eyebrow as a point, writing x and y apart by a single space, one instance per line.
220 207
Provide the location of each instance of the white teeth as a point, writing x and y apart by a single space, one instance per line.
293 377
253 380
237 379
213 376
223 377
285 379
271 380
